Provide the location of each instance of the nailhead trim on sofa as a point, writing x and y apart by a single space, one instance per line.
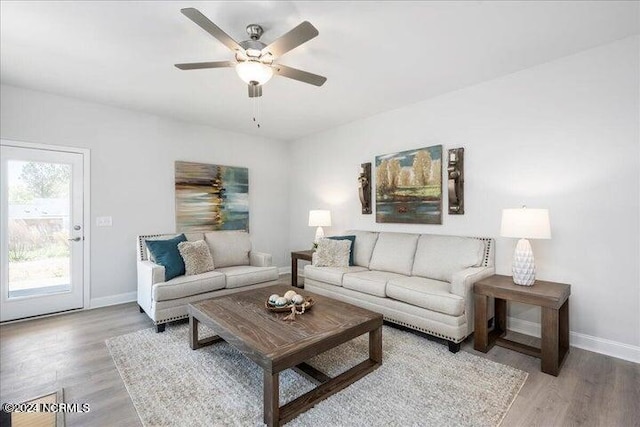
418 328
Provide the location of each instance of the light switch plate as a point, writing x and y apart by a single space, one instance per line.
104 221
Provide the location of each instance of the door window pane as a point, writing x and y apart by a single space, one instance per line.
38 228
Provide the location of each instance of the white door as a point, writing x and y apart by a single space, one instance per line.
41 231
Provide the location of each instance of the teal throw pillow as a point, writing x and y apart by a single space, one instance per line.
166 254
353 242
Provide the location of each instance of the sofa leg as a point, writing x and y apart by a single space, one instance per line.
160 327
454 347
141 309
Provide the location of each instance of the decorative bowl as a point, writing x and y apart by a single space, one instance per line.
308 303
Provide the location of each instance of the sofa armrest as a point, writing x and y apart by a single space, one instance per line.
462 285
149 274
462 281
260 259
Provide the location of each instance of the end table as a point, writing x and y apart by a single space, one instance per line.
295 256
553 298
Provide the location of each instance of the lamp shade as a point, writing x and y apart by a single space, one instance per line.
319 218
254 71
526 223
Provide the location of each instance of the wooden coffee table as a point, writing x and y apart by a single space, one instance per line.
275 344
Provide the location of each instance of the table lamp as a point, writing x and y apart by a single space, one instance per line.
525 224
319 219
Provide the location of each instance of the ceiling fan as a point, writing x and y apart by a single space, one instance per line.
254 60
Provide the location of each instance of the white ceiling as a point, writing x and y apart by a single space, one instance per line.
377 56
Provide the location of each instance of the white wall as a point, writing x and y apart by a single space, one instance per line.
563 135
132 174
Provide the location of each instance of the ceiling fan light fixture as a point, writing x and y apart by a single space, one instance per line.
254 71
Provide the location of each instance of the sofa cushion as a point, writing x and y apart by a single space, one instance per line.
196 256
426 293
245 275
229 248
333 253
352 239
394 252
439 257
331 275
194 236
369 282
165 253
363 246
184 286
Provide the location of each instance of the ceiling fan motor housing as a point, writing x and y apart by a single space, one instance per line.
252 48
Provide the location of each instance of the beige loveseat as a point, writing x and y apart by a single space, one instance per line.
237 268
421 281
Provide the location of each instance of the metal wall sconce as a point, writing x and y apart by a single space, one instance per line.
455 172
364 187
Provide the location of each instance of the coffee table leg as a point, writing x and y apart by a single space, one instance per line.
271 399
375 345
194 341
193 332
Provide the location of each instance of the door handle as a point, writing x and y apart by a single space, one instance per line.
75 239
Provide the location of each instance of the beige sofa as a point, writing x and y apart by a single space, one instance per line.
237 268
421 281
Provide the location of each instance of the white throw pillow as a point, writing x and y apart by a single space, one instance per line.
333 253
197 257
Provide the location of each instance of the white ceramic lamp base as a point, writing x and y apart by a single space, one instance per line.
319 234
523 267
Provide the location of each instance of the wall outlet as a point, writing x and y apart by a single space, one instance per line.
104 221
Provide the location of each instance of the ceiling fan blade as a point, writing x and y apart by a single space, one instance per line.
201 65
203 22
255 91
289 41
295 74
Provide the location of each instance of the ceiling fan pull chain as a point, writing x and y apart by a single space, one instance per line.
256 110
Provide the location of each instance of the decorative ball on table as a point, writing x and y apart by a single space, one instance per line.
273 298
297 299
289 295
281 302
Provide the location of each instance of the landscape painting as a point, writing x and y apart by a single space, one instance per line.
409 186
211 197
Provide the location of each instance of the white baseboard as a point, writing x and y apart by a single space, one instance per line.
284 270
583 341
524 327
113 300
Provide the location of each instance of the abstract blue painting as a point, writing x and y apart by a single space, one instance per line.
211 197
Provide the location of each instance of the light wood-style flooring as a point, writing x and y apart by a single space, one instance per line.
38 356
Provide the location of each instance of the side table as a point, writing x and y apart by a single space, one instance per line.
552 298
295 256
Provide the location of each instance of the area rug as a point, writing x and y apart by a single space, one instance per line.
419 383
